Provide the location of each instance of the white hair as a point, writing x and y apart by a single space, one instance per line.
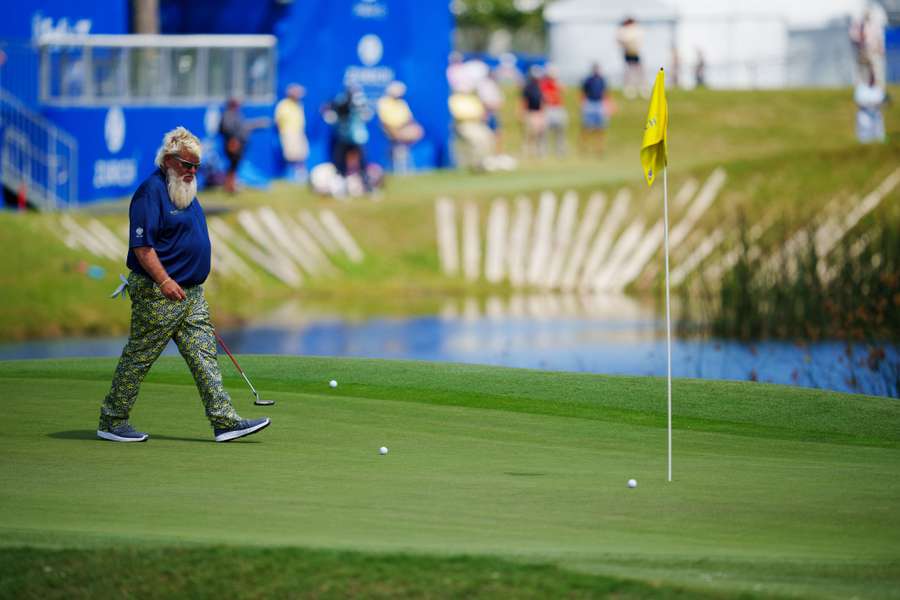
175 141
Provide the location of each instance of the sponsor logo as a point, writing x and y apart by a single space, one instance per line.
370 9
139 232
114 129
369 49
368 76
115 172
42 25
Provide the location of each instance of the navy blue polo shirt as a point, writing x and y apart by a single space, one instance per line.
179 236
594 87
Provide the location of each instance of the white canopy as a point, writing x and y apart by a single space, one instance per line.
594 10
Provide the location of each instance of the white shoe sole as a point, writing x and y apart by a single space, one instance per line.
106 435
239 433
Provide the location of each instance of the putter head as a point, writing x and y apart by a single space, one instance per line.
260 402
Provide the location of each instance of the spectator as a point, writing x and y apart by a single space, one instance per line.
700 70
236 132
867 39
399 126
456 73
533 113
491 96
869 98
474 140
594 113
348 113
873 44
675 69
291 123
630 36
555 109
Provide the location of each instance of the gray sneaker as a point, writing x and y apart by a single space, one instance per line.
240 429
122 433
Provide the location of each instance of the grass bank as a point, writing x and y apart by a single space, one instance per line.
787 154
499 482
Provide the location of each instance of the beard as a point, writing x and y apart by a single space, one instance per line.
180 192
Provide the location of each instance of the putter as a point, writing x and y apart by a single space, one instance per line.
259 401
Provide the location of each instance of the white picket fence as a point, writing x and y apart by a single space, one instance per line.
555 246
537 248
288 247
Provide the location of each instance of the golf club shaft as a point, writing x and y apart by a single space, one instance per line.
236 365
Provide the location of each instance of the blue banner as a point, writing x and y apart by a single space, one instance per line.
33 17
117 145
324 45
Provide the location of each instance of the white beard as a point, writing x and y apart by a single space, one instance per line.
180 192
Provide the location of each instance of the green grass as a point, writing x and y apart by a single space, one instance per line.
499 483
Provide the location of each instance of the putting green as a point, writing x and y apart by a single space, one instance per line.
776 489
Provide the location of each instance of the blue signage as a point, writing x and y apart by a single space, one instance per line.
324 46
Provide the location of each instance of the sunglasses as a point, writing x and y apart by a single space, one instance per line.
186 164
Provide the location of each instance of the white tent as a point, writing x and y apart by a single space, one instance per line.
744 43
582 32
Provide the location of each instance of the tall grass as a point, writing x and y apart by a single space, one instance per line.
851 295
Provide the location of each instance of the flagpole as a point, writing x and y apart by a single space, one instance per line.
654 156
668 318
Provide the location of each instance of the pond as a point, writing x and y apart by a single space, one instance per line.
621 339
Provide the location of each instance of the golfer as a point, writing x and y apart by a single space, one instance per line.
169 258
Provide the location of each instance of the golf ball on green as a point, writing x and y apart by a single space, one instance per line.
632 483
383 450
332 383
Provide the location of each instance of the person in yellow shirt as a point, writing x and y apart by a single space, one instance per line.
475 141
399 125
291 123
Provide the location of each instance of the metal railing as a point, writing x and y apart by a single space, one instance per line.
100 70
37 158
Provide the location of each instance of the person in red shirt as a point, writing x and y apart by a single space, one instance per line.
555 110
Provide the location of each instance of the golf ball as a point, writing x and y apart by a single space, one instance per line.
632 483
383 450
332 383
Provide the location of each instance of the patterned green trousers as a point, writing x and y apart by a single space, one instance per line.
154 321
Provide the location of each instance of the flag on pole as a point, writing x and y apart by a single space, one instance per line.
654 159
653 149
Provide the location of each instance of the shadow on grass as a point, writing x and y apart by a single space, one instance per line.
91 435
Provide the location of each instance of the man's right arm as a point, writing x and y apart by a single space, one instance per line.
146 255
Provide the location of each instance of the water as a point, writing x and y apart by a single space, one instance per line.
610 345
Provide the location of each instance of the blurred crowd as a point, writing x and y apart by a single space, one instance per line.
477 95
476 99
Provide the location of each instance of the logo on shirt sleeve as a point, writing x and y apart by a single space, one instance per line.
139 232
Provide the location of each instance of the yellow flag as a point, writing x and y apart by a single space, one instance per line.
653 149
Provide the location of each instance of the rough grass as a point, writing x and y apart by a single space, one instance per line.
231 572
